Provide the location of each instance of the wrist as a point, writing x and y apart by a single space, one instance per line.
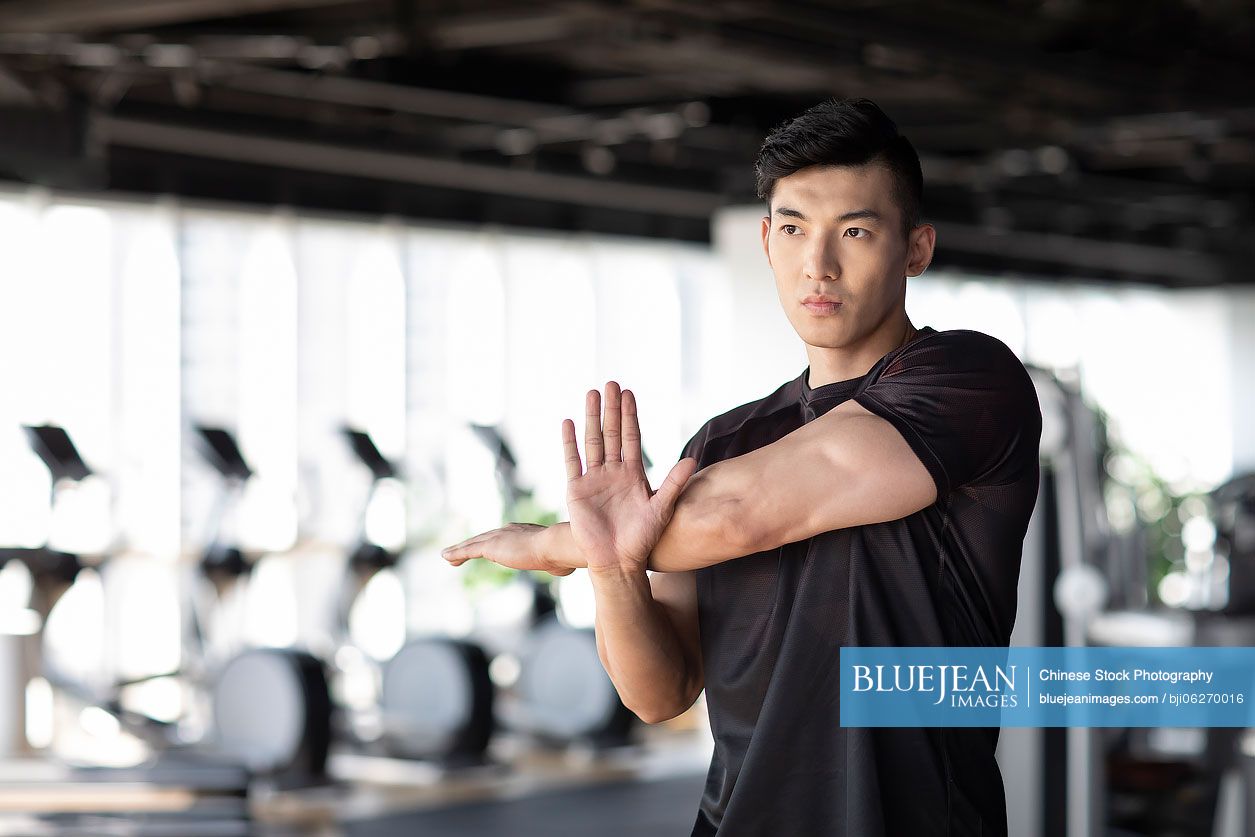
622 573
557 547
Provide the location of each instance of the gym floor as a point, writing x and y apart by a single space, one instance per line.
619 809
653 788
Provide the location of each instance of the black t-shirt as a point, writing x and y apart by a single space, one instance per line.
772 623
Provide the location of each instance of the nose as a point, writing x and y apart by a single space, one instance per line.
820 260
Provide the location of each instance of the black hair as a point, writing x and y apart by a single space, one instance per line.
848 132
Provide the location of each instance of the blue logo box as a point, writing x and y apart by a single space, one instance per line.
1047 687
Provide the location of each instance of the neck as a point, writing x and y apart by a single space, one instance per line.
841 364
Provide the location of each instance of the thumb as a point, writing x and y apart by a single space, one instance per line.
667 494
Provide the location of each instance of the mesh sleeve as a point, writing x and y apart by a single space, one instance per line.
964 403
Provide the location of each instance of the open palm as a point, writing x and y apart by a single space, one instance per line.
616 519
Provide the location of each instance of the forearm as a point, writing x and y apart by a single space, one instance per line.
639 647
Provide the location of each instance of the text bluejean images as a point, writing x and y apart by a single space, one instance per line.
1047 687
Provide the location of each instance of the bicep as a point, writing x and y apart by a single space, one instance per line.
845 468
676 594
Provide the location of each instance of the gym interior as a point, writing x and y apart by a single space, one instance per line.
294 293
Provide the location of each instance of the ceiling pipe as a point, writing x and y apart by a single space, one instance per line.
405 168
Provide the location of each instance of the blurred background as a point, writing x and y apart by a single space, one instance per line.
293 293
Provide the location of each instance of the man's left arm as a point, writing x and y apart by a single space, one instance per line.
847 467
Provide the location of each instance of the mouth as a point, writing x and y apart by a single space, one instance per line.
822 308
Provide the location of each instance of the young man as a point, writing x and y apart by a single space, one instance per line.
879 498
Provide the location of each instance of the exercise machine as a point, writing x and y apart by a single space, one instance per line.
1055 778
435 694
181 788
271 707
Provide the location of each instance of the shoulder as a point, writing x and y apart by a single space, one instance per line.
957 351
953 372
961 342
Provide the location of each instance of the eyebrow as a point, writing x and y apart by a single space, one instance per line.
864 214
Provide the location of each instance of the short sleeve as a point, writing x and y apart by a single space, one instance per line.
964 403
697 444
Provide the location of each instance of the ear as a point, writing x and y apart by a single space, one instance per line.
920 249
766 233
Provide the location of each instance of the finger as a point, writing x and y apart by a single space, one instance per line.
671 487
631 428
594 448
570 451
465 550
457 556
611 434
472 540
456 559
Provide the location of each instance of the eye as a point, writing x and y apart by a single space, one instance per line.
864 232
788 229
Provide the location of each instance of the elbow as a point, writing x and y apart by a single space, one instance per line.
658 712
652 717
654 712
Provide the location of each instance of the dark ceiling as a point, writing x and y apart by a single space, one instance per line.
1112 140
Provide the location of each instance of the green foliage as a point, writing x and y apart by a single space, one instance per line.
479 576
1136 493
527 510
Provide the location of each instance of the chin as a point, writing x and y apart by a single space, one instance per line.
824 341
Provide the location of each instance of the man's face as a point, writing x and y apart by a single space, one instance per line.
836 232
